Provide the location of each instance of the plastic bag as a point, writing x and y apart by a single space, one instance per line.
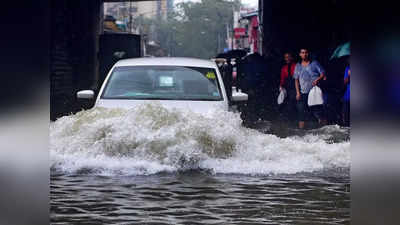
282 95
315 97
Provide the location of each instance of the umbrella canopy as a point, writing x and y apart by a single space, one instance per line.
222 55
237 53
232 54
341 50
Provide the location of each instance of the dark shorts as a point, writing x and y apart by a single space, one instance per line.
304 110
288 108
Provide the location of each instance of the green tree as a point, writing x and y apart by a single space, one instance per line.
195 29
204 28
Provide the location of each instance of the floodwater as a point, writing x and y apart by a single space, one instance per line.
151 165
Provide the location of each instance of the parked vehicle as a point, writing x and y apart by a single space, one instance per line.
188 83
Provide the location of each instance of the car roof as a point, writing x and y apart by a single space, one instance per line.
166 61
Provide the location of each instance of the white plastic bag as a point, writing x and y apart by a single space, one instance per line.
282 95
315 97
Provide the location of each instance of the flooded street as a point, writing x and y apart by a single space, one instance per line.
151 165
196 197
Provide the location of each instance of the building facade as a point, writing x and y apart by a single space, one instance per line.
246 30
148 9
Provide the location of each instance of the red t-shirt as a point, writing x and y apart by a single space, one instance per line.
285 74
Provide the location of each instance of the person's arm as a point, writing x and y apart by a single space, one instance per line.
321 72
321 76
296 76
282 83
347 79
297 84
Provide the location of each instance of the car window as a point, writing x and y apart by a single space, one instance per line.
164 83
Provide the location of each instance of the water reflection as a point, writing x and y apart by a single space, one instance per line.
197 197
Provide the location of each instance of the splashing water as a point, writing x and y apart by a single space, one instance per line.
150 139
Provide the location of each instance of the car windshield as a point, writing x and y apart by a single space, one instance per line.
163 83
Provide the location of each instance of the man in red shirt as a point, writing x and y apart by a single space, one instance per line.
287 82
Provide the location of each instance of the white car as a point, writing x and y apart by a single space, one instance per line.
188 83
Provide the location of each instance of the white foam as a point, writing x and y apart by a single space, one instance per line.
151 139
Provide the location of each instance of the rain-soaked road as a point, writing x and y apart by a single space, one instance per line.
155 166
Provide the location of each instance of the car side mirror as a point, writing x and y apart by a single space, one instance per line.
86 94
238 95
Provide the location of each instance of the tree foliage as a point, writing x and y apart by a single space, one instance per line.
195 29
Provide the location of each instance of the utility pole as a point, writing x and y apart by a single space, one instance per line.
218 44
130 18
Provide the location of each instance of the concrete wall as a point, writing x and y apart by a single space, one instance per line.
147 9
76 26
152 9
75 29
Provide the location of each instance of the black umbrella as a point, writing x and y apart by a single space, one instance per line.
222 55
237 53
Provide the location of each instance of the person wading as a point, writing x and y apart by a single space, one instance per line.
307 74
287 82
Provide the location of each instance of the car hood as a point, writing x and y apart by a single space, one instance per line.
194 106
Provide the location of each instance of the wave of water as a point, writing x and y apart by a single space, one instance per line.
151 139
